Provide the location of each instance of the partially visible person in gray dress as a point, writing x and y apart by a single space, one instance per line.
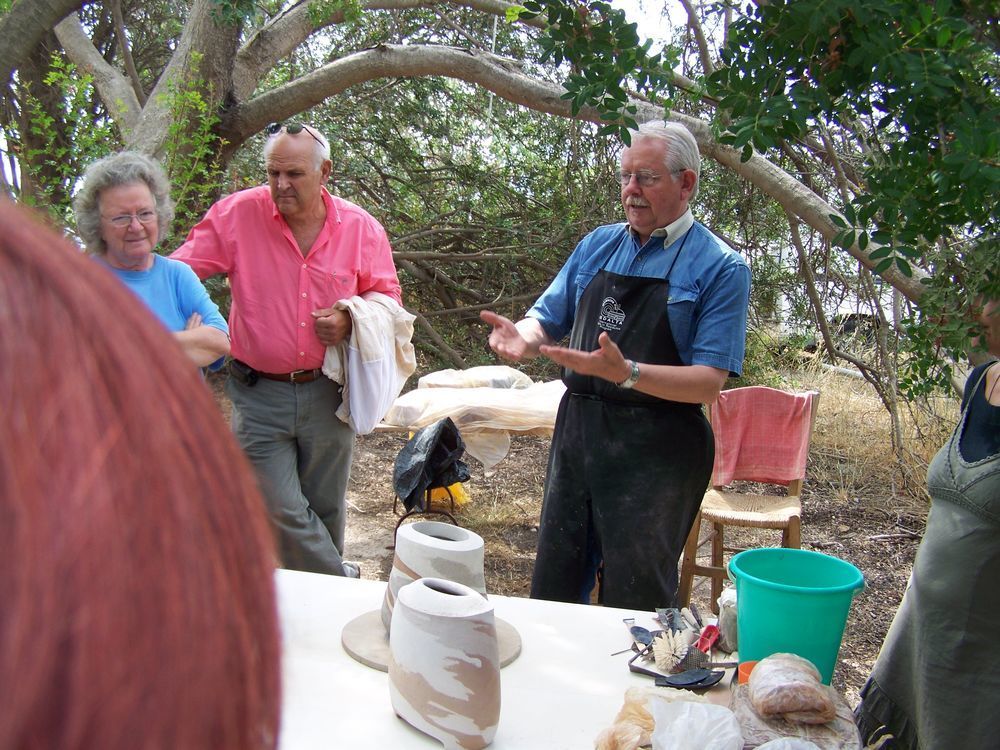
936 682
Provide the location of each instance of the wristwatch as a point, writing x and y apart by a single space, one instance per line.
633 376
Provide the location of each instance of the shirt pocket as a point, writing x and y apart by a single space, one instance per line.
681 304
582 281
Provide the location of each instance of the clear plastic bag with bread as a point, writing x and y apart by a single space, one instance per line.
758 732
788 687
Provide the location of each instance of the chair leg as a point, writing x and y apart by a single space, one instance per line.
718 561
688 563
792 535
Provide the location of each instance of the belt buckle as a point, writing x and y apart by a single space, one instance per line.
292 375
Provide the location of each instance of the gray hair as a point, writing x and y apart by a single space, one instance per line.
123 168
321 146
682 148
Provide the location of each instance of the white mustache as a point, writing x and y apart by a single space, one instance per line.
637 203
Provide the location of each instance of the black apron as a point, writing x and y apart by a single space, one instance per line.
627 471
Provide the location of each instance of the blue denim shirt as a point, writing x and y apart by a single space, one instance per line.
709 288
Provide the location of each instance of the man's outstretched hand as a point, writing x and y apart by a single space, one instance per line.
505 339
607 361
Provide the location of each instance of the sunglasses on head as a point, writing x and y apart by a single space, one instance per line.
292 128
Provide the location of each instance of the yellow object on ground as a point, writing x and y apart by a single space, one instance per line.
440 498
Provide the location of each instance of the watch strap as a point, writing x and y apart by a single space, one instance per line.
633 376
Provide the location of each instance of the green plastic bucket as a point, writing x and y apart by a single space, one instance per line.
793 601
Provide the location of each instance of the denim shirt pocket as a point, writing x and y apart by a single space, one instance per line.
583 278
680 309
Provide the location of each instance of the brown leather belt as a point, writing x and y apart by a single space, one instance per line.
299 376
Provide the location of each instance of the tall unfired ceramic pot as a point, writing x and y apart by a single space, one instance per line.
444 664
431 549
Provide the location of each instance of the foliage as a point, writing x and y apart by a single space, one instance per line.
451 174
482 200
908 88
323 10
69 138
453 171
191 155
920 80
232 12
764 361
607 56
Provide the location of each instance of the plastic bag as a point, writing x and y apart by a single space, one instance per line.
728 635
787 686
484 415
789 743
683 725
487 376
431 458
519 409
839 734
633 725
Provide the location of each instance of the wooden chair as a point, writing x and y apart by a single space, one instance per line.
761 435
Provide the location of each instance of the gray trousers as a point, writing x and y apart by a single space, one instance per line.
302 454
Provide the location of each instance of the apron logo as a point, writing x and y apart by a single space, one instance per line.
612 316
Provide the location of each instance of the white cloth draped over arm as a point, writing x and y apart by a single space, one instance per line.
375 362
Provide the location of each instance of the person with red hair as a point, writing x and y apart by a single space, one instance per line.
137 600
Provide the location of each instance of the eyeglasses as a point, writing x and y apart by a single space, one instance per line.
125 220
292 128
644 177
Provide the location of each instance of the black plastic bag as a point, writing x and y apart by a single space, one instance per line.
429 459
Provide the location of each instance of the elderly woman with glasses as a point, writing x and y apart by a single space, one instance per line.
122 211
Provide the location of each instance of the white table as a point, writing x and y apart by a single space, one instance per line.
560 693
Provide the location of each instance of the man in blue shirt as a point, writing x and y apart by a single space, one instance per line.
656 312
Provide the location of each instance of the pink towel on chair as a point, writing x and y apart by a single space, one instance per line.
761 435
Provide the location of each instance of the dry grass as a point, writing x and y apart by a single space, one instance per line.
852 455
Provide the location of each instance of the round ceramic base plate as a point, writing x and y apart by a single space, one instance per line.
365 640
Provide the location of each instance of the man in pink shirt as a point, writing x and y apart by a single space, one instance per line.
291 251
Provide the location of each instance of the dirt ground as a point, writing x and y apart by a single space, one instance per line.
872 530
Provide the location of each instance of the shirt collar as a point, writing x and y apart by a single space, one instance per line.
671 232
332 213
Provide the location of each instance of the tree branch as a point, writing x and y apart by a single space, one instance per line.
531 297
114 89
25 25
278 38
444 295
204 54
694 23
133 74
439 342
504 77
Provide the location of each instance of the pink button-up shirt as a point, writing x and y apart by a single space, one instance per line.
274 287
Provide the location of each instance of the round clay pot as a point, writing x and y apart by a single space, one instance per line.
444 665
431 549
